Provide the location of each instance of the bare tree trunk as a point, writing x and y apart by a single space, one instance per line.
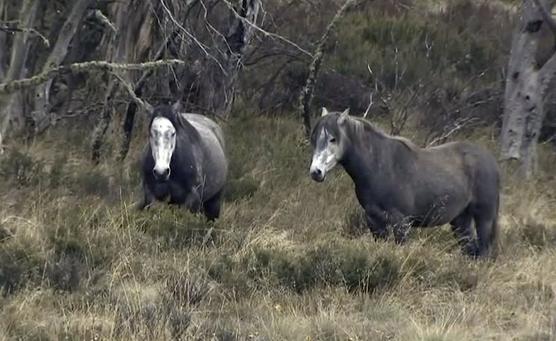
132 107
220 81
56 57
3 43
306 96
11 109
526 87
131 42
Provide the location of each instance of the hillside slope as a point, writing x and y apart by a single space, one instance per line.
288 260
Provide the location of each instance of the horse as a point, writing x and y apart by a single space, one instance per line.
184 161
401 185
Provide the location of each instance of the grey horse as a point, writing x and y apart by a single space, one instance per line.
401 185
184 161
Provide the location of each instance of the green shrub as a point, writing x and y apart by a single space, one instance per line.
237 189
176 227
91 182
539 235
19 265
22 169
64 273
328 265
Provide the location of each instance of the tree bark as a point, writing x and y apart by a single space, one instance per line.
132 42
56 57
11 109
219 81
306 96
3 43
526 88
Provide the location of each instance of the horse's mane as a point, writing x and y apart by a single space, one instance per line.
362 126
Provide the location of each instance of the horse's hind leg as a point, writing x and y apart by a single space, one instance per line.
211 207
485 224
461 226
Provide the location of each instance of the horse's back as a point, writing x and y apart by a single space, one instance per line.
215 163
207 128
474 162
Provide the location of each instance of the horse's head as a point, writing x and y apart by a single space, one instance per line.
165 123
328 140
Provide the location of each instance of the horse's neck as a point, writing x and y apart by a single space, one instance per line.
369 162
189 130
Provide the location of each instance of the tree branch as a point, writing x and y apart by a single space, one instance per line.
142 104
306 95
16 85
16 29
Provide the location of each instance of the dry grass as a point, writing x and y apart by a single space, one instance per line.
283 263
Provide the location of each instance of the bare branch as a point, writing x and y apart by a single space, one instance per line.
191 36
267 33
458 125
306 95
16 85
104 20
142 104
370 95
16 29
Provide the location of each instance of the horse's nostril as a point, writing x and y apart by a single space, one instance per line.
317 175
161 174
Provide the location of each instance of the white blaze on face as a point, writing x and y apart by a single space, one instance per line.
163 142
325 155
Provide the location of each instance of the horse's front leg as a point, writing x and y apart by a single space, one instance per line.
401 230
148 198
193 200
377 222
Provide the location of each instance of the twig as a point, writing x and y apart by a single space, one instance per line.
104 20
143 104
191 36
458 125
306 94
370 95
16 85
267 33
15 29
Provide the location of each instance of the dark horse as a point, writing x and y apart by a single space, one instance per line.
401 185
184 161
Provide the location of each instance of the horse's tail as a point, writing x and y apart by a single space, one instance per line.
495 230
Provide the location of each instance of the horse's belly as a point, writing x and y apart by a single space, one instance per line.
435 215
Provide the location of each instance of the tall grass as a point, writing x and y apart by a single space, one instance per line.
284 262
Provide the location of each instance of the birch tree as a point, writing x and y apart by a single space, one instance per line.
55 58
527 84
11 109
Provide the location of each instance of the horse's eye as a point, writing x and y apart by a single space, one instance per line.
332 140
173 134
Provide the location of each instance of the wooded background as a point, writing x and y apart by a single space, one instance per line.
443 68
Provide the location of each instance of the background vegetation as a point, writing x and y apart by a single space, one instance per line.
289 259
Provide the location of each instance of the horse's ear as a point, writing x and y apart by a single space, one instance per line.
343 116
177 107
324 112
149 109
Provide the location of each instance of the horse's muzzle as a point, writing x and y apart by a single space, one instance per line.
317 175
161 175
